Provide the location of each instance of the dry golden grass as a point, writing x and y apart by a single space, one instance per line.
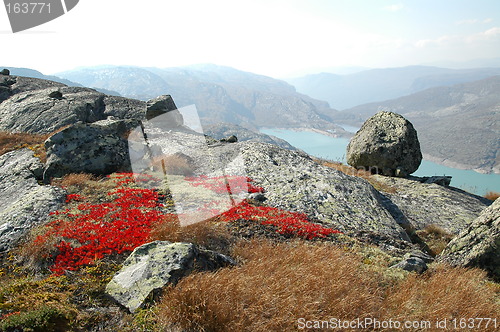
443 293
435 237
211 235
275 286
173 165
492 196
360 173
13 141
279 283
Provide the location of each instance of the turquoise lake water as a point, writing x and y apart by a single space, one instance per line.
331 148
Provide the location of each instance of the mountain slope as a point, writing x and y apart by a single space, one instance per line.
221 94
457 126
346 91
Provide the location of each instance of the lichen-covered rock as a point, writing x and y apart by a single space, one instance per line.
415 261
478 245
29 107
23 202
161 105
293 181
152 266
388 143
98 148
421 204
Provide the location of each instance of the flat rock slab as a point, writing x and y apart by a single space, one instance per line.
421 204
23 202
154 265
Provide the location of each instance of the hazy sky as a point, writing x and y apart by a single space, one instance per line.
270 37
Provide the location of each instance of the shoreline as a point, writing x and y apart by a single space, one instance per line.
428 157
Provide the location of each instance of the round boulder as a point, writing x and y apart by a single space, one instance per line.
388 144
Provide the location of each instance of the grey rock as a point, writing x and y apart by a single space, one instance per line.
412 264
23 202
160 105
55 94
419 205
98 148
478 245
230 139
154 265
388 143
441 180
259 197
294 182
5 72
28 107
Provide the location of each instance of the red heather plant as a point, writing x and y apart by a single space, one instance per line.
89 232
99 230
287 223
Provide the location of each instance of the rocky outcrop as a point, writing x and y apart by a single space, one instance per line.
98 148
154 265
478 245
419 204
160 105
293 181
28 106
386 143
23 202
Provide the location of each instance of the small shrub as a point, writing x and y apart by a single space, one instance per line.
435 238
39 320
209 234
173 165
14 141
361 173
492 196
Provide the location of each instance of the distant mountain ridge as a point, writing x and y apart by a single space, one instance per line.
374 85
458 126
221 94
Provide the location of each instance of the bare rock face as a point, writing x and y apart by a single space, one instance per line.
479 244
98 148
386 143
419 205
23 202
160 105
38 106
294 182
154 265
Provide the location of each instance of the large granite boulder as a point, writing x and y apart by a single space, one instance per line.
98 148
295 182
154 265
478 245
423 204
23 202
387 143
29 105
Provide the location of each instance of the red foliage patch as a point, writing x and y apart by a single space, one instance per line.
288 223
89 232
